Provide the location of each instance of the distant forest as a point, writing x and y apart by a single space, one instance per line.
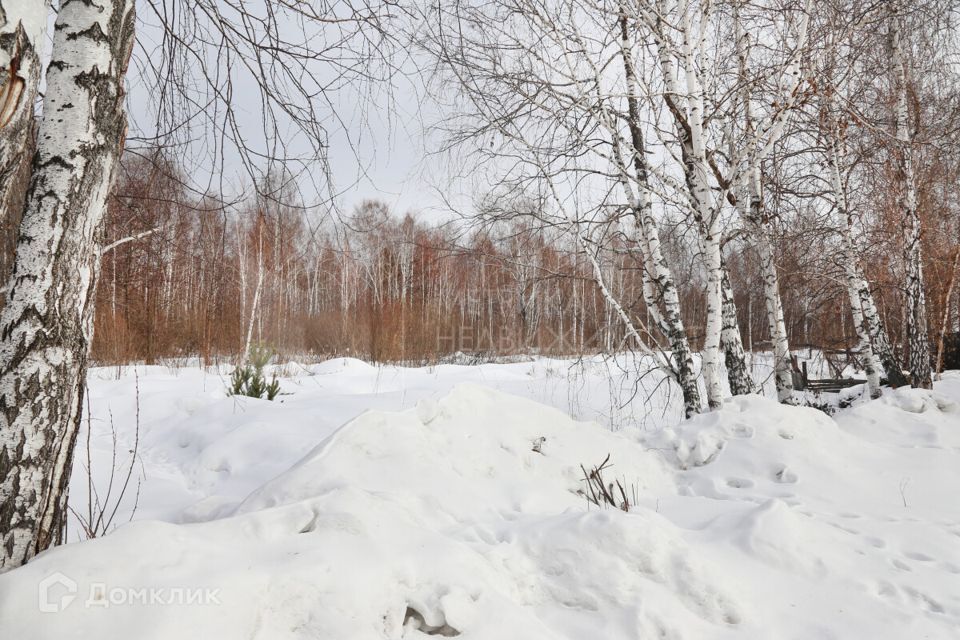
185 276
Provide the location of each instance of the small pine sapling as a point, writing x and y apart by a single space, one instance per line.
249 380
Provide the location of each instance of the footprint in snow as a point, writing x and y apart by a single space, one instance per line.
743 431
919 557
887 589
740 483
909 595
924 600
785 476
901 565
876 543
849 530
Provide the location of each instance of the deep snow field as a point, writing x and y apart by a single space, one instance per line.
386 503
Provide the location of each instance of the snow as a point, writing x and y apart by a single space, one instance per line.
375 500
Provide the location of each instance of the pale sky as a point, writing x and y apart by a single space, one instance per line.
377 146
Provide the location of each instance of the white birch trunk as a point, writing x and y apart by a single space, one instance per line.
662 289
687 106
255 305
731 342
659 289
878 337
916 307
857 288
47 324
760 230
778 328
877 350
755 216
714 323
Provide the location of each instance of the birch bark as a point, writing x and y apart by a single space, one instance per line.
756 218
687 107
46 326
662 288
255 306
783 371
857 288
685 101
22 27
878 336
731 342
916 307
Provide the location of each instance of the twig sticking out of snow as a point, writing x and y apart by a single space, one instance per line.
603 493
538 445
101 512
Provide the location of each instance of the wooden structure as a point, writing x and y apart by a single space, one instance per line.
802 382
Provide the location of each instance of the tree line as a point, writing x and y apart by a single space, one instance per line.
187 276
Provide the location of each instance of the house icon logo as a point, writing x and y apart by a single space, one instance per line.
55 593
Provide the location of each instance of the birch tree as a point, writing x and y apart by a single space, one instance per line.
660 291
844 144
916 307
865 322
680 31
683 74
750 199
47 322
534 78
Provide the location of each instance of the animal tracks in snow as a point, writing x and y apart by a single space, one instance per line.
909 596
785 476
740 483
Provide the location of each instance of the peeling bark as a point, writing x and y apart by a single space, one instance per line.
22 27
46 327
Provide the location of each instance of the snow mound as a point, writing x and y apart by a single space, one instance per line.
461 516
470 453
464 516
341 366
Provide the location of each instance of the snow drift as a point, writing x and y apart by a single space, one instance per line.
465 516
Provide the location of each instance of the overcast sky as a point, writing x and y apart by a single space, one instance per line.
377 145
387 155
